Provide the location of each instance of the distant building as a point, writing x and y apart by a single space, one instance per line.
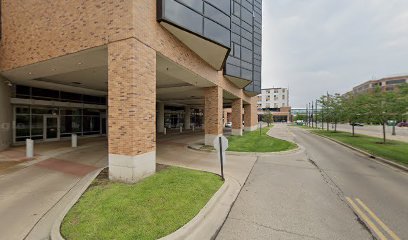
275 100
386 84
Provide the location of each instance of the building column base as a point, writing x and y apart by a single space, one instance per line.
236 132
131 169
251 128
209 139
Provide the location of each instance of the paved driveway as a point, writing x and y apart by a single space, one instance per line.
30 189
306 195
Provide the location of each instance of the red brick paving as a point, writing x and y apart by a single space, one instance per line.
68 167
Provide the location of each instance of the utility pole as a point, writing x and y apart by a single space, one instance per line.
328 101
312 114
307 116
316 114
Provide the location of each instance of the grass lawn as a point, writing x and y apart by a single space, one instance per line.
150 209
392 150
255 142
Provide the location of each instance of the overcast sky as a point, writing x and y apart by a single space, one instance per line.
314 46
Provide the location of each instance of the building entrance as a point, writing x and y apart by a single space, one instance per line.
51 128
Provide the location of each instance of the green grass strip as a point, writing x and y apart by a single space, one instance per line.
256 142
150 209
392 150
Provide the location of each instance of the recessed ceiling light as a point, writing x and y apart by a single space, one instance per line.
29 73
53 69
79 63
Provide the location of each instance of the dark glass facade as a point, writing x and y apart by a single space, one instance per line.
235 24
207 18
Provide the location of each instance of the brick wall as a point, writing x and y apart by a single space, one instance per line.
132 98
237 114
213 110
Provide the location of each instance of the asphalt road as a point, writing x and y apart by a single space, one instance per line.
317 193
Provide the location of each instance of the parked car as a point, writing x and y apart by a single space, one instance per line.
357 124
391 122
299 122
228 125
402 124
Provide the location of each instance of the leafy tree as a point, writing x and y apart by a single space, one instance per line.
355 109
268 117
383 106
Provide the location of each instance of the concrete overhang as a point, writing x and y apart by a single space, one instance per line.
213 53
239 82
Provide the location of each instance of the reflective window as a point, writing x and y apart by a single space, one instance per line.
183 16
194 4
217 16
213 30
223 5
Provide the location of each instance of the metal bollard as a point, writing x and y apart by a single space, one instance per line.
165 131
181 129
29 148
74 140
193 128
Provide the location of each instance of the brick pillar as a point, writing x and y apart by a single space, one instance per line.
132 110
187 117
160 117
213 114
251 115
236 115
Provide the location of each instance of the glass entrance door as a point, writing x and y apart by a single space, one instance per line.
51 128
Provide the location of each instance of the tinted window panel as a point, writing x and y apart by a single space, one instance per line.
223 5
194 4
217 32
217 16
183 16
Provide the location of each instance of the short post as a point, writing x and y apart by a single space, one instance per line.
29 148
221 144
221 158
193 127
260 128
74 140
181 129
165 131
393 130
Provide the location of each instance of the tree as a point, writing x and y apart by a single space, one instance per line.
324 102
383 106
268 117
354 107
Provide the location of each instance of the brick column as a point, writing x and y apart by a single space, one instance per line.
132 110
187 117
213 114
236 115
160 117
251 115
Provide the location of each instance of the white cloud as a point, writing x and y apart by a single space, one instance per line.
316 46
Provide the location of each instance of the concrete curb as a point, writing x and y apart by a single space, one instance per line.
55 230
207 223
371 156
253 154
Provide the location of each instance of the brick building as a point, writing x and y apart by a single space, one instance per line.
127 69
386 84
275 100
